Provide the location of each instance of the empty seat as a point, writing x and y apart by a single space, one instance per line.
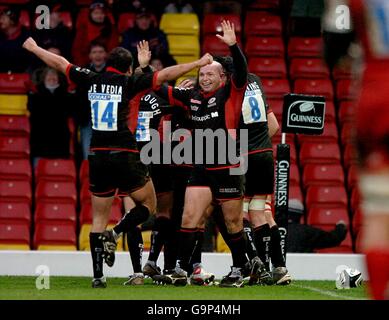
14 147
357 222
262 23
86 212
15 169
55 170
55 236
268 67
308 68
14 236
85 194
184 45
14 104
355 200
264 47
296 193
340 71
330 135
323 174
212 23
305 47
15 190
327 216
275 88
213 45
329 196
15 83
350 155
318 87
276 105
330 115
294 177
346 89
14 125
348 133
346 111
264 4
65 212
50 191
15 211
180 23
323 153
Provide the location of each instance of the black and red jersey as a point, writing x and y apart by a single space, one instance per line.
254 116
114 100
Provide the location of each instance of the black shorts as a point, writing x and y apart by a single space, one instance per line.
223 185
260 174
163 177
112 170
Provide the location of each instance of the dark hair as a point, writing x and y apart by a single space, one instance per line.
13 12
226 62
120 59
96 43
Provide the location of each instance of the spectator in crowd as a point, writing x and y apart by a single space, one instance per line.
12 35
37 66
305 238
58 35
49 107
98 58
120 6
145 29
180 6
97 27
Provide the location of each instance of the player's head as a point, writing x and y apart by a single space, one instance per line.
9 17
227 64
120 59
211 76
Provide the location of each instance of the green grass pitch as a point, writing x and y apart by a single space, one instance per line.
79 288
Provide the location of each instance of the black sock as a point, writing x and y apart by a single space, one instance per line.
135 246
158 237
250 246
96 249
196 256
186 246
277 258
136 216
262 243
170 250
237 245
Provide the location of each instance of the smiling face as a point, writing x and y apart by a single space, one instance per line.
211 77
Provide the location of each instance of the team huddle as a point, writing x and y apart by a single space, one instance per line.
130 111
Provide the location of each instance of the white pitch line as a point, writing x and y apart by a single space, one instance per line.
327 293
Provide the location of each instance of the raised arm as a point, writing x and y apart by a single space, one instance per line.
239 75
174 72
51 59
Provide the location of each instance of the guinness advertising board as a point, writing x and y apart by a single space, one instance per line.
303 114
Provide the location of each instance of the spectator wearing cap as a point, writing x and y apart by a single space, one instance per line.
145 29
304 238
13 58
99 28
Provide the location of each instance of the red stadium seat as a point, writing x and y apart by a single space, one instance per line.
15 190
276 105
66 19
323 174
12 125
15 211
348 133
126 21
14 147
262 23
305 47
50 233
264 4
85 194
84 172
296 193
350 156
357 223
214 45
321 87
327 216
14 83
25 19
294 177
308 68
352 177
329 196
346 112
341 72
355 199
275 88
64 212
346 89
15 169
86 212
345 247
14 233
55 170
322 153
330 115
268 67
212 23
264 47
56 192
330 135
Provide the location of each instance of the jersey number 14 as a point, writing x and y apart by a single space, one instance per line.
104 115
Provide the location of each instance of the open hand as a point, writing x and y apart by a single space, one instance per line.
144 54
228 37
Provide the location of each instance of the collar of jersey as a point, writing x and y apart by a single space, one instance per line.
111 69
209 94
